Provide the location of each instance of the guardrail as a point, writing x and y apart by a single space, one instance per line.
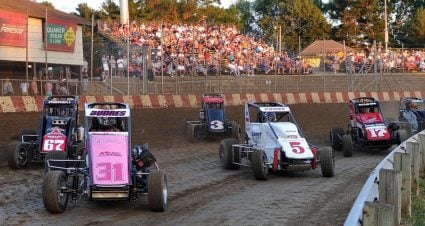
385 197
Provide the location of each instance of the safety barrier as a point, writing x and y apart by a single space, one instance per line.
34 103
386 196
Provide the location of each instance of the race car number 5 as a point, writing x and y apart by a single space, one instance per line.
296 147
53 145
216 124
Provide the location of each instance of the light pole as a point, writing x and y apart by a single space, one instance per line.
386 26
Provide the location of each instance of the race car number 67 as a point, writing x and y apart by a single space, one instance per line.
216 124
53 145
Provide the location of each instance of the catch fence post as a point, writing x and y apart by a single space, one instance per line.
402 163
412 147
377 214
421 139
390 191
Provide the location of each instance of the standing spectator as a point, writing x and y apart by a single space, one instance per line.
85 65
48 87
34 87
24 88
61 89
67 72
7 87
125 63
113 64
120 65
84 82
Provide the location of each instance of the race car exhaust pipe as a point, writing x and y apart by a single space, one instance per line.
275 160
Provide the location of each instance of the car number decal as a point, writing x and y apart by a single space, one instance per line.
377 132
106 171
296 147
216 124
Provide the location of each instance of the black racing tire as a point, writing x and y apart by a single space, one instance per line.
18 155
347 145
236 131
157 191
22 138
258 165
402 135
335 136
191 133
227 155
56 155
327 161
54 199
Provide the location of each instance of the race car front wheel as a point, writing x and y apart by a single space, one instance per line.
347 145
259 165
157 191
55 198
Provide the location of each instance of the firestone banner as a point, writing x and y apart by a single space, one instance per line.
13 29
61 35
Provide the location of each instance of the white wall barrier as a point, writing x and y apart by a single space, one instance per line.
386 196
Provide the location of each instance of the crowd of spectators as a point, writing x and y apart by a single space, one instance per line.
201 49
185 49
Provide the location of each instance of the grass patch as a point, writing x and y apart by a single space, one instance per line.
418 206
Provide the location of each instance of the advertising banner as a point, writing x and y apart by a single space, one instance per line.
61 35
13 29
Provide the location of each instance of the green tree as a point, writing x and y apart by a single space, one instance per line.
299 20
109 10
416 31
47 4
362 21
84 10
245 9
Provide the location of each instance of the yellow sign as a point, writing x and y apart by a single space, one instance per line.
70 36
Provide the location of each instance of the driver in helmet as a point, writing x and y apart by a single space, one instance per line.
410 115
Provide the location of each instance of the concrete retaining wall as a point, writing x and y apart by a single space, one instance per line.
34 104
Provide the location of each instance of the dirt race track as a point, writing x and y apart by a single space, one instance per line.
200 192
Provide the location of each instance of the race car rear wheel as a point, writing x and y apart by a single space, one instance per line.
347 145
55 155
327 161
18 155
402 135
55 198
227 155
157 191
23 137
236 131
258 164
191 133
335 136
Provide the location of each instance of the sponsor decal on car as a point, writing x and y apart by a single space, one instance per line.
107 113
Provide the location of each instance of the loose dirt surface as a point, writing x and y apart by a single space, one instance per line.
200 191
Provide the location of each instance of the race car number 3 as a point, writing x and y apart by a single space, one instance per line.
216 124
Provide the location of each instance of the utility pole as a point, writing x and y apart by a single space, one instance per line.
386 26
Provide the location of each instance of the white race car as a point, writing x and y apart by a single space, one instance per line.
274 142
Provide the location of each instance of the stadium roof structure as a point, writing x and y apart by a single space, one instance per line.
37 10
325 46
